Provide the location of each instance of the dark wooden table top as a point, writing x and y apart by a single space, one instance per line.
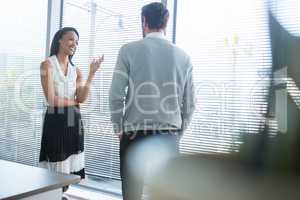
20 181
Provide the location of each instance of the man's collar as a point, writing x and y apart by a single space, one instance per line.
156 35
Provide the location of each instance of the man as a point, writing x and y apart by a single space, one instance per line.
151 96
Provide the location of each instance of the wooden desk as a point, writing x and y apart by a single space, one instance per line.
18 181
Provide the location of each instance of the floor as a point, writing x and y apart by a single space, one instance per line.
77 192
93 188
96 189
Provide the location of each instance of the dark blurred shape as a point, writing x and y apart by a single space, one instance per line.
284 148
285 49
268 163
279 152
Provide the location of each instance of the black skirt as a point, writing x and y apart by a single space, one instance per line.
62 135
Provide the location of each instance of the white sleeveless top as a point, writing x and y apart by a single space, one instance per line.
64 86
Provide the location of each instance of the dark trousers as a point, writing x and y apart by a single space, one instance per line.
141 150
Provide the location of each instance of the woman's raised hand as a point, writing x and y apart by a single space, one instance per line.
95 65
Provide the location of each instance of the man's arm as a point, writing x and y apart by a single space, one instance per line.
188 104
117 92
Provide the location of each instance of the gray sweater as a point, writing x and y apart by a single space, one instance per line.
152 86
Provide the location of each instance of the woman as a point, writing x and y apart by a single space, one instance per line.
62 146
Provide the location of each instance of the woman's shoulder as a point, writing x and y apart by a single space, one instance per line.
47 63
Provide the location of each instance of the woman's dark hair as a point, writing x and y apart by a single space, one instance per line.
55 42
156 15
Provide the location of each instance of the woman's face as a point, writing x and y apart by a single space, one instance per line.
68 43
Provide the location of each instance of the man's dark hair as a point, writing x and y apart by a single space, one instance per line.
156 15
55 42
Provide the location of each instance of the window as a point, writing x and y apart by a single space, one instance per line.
230 48
23 43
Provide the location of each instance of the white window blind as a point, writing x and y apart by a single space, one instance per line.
230 48
23 43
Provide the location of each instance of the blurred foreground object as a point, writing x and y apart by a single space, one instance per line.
207 177
277 148
268 163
